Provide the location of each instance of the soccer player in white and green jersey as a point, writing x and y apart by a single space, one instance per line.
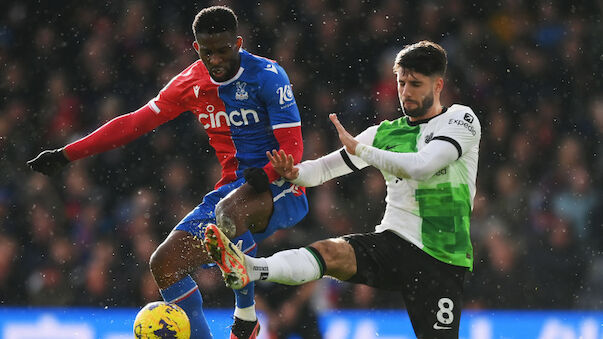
421 247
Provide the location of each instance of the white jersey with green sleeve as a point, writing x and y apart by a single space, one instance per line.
430 169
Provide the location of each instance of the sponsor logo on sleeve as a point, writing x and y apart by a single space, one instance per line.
196 90
468 117
285 94
464 123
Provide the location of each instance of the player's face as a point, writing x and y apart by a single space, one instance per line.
416 92
220 54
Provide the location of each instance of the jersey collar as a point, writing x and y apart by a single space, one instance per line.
418 122
241 69
224 83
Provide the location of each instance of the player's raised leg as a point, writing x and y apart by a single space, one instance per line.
333 257
249 207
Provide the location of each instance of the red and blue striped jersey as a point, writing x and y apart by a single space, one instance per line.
244 117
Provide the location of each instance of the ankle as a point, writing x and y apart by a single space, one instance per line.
255 267
246 313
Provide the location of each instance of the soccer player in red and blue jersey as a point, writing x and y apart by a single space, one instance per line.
246 106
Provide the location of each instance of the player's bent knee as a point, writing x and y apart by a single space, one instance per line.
224 219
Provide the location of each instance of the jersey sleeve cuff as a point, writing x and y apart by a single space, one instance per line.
348 161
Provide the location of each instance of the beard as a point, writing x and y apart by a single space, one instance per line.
421 109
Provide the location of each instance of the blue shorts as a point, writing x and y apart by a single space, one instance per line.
290 207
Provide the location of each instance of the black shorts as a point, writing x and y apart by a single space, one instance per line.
432 290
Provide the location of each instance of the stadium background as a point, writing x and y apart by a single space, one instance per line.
531 72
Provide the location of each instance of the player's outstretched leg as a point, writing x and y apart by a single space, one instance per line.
227 256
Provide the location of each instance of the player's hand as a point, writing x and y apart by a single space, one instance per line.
49 162
283 164
346 138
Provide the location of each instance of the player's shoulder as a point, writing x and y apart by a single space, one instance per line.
371 129
193 76
195 73
462 111
264 68
461 116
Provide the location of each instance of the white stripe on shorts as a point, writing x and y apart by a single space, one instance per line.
282 194
287 125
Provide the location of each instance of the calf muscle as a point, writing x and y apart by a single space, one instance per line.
177 257
339 257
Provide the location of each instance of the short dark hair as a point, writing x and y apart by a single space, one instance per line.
215 19
425 57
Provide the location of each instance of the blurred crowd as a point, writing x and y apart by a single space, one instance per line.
530 70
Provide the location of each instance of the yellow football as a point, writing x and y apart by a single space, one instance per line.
160 320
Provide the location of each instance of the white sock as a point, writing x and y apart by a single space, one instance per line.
247 313
290 267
